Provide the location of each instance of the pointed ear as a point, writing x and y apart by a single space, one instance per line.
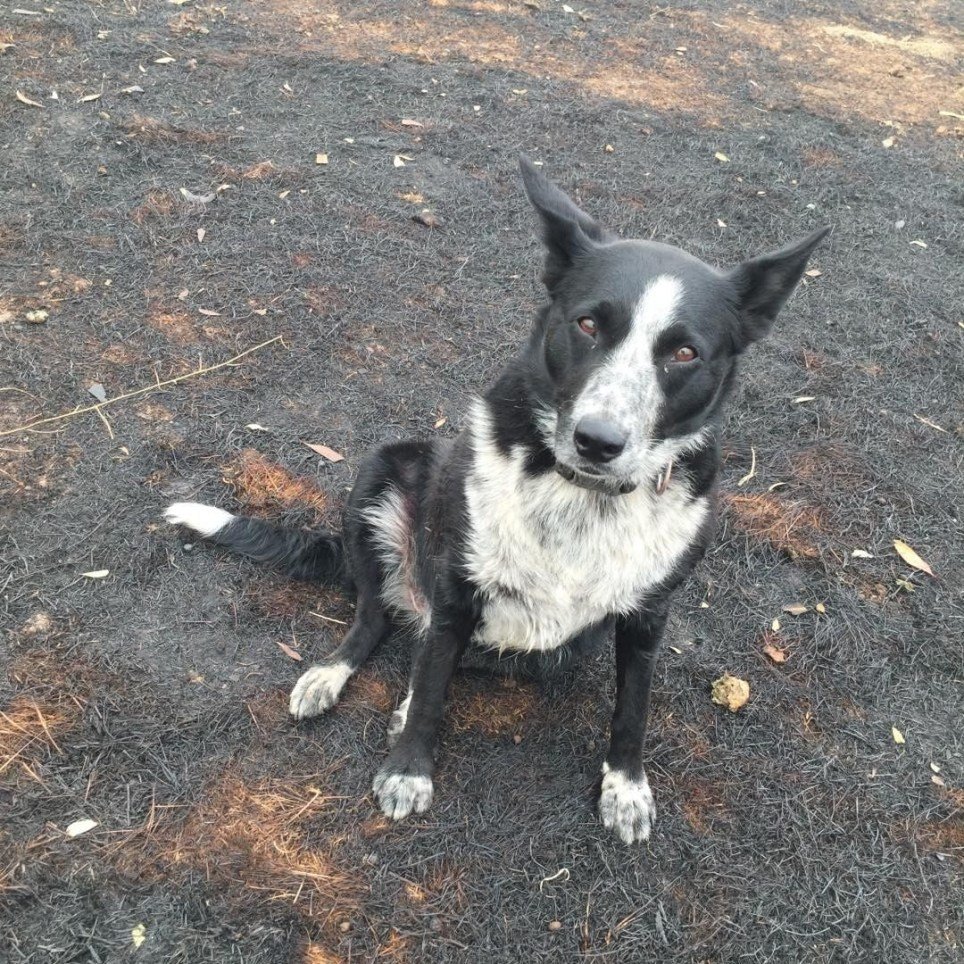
566 230
763 284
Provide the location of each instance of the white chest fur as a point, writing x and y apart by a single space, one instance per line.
551 559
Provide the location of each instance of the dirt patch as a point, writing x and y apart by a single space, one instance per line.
501 712
263 487
789 527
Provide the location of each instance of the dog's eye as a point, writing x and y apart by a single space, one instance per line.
588 326
685 354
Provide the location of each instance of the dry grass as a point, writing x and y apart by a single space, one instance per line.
150 130
789 527
262 486
494 712
30 731
157 205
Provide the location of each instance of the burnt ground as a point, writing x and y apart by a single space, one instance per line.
153 700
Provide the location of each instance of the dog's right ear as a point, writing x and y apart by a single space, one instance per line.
567 231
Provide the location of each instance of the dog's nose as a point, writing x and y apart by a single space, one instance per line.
598 440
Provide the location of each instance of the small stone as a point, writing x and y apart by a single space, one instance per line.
555 925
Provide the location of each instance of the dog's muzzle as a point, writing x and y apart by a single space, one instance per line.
604 484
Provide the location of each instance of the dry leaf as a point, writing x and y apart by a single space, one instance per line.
87 98
164 60
609 149
721 157
720 223
427 218
775 486
776 626
796 609
288 651
98 391
398 162
775 653
133 89
209 313
24 99
255 427
676 650
861 554
409 122
938 781
80 826
321 158
911 557
898 736
197 198
325 452
935 768
821 608
200 234
96 574
731 692
813 273
800 399
888 142
920 244
440 422
139 932
37 317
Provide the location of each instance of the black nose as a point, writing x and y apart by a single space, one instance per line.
598 440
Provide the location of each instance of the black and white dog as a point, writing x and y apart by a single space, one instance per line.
580 494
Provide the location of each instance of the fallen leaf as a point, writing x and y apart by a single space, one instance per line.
676 650
555 925
519 91
821 608
776 625
80 826
796 609
24 99
775 653
609 149
920 244
775 486
37 317
720 223
427 218
906 585
567 9
911 558
209 313
87 98
321 158
255 427
98 391
800 399
861 554
96 574
139 931
440 421
898 736
398 162
721 157
325 452
938 781
813 273
200 235
164 60
288 651
409 122
887 142
197 198
284 194
731 692
935 768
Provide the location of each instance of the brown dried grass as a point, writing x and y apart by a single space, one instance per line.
789 527
265 487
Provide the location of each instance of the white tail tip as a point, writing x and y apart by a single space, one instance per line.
206 520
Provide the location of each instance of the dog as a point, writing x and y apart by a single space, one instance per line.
576 500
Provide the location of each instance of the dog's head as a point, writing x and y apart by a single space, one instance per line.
637 349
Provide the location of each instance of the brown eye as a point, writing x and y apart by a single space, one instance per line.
685 354
588 326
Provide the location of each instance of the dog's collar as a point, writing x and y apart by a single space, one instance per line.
610 486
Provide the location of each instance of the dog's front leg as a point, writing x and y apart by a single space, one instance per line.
626 801
404 783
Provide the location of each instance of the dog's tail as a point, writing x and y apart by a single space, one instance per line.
316 556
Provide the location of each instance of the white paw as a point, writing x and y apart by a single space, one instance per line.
399 718
399 794
318 689
206 520
626 806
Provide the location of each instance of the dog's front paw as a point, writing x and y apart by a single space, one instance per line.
318 689
626 806
401 791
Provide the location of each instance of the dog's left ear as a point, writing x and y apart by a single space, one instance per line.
567 231
763 284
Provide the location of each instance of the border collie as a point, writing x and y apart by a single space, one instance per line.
577 498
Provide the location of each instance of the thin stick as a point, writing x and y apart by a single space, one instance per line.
139 391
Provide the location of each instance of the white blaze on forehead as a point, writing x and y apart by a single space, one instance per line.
626 388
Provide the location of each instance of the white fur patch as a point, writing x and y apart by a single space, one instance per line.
399 718
550 558
626 806
206 520
395 541
318 689
399 794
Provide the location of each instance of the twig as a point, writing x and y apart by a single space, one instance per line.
752 473
140 391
